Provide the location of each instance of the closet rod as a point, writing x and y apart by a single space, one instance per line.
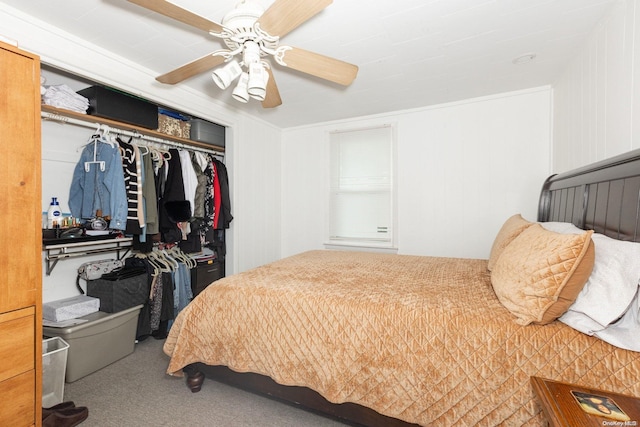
64 119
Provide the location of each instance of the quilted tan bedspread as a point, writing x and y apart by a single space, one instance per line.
422 339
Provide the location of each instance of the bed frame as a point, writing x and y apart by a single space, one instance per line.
604 197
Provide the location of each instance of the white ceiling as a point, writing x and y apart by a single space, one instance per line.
410 53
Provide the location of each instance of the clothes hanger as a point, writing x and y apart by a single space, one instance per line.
94 139
138 142
183 257
175 264
165 266
176 253
143 147
156 268
104 135
93 136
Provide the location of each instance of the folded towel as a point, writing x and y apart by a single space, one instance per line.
62 96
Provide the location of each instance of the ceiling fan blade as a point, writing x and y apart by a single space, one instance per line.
273 94
191 69
179 14
283 16
321 66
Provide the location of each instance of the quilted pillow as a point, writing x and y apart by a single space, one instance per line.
540 273
512 227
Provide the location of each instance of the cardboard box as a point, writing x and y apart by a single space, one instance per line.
174 127
103 339
70 308
173 123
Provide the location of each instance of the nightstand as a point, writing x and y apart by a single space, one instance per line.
562 409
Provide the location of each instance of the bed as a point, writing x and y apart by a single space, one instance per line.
383 340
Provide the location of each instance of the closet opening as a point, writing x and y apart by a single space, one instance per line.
156 186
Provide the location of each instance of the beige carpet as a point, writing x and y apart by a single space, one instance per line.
135 391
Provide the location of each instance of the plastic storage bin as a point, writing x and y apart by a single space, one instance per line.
204 131
54 364
102 340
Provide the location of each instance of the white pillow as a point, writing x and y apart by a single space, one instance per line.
562 227
608 306
623 333
613 282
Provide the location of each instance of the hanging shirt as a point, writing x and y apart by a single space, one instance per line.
189 178
130 170
150 195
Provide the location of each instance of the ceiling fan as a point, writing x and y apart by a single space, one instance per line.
253 35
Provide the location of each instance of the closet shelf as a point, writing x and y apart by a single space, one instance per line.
61 115
71 250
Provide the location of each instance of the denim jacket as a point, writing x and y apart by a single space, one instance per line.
96 189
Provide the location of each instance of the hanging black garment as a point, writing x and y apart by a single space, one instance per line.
173 191
209 208
225 201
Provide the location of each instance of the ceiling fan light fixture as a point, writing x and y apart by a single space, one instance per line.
223 76
240 92
258 78
250 53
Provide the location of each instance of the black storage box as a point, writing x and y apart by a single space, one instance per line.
114 105
121 294
204 274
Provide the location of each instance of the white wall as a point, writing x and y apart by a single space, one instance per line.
256 194
463 168
252 156
597 98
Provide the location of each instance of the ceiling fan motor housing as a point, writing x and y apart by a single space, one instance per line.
240 21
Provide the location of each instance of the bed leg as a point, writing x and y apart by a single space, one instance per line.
195 378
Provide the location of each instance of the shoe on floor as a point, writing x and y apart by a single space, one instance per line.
68 417
64 405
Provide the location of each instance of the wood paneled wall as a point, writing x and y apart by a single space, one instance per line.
597 98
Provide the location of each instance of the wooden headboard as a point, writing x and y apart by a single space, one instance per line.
603 196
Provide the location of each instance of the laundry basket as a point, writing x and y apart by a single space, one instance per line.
54 365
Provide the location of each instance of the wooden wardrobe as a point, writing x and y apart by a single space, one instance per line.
20 239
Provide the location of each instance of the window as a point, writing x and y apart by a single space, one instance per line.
362 197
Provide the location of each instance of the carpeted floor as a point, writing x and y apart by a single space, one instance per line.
135 391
